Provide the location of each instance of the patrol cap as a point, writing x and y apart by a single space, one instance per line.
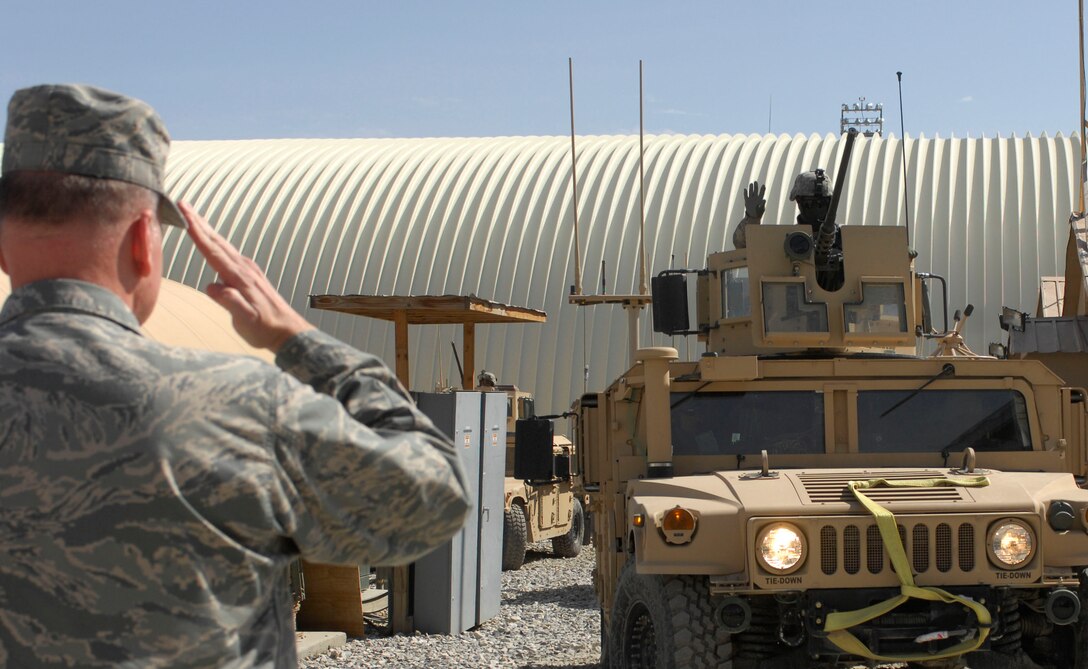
811 184
78 129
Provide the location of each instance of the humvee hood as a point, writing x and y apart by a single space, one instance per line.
937 491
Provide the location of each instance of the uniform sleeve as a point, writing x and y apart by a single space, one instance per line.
740 241
374 480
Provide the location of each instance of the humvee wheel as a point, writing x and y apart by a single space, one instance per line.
570 544
665 622
515 537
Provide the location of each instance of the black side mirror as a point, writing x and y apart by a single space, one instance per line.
533 450
670 303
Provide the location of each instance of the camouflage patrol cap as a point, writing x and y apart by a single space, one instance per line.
77 129
811 184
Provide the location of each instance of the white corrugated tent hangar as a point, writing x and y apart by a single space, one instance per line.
494 217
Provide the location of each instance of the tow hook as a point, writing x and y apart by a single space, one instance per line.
791 631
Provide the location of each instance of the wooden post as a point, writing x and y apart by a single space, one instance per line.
468 380
399 619
400 318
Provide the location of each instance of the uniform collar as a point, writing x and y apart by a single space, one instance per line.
68 295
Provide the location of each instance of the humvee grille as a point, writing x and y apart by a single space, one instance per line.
829 550
944 547
828 488
925 546
874 550
967 547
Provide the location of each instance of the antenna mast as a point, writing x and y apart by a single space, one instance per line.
632 304
1083 122
903 139
577 288
641 195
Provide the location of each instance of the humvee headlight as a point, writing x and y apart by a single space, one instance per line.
1011 543
780 548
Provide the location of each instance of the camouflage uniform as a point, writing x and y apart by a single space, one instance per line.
152 498
805 186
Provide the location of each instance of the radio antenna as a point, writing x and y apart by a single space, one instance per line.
632 304
576 289
641 195
1083 121
903 139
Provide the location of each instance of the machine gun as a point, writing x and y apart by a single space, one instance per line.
828 259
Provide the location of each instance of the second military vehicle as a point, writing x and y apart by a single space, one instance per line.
543 503
812 491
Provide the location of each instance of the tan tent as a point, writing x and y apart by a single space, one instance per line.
186 317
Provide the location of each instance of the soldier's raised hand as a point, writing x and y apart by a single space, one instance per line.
259 314
754 202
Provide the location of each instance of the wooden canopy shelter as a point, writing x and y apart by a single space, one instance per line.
468 311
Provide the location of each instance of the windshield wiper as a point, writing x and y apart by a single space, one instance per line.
687 397
946 370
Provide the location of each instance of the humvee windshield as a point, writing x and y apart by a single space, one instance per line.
935 420
734 423
792 422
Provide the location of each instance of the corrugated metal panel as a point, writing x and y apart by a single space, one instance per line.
186 317
493 217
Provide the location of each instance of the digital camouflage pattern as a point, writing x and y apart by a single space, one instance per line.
152 498
77 129
813 183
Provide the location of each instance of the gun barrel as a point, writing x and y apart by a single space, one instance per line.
826 236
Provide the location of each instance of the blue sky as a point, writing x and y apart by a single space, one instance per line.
408 68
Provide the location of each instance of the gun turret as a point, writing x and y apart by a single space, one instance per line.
781 294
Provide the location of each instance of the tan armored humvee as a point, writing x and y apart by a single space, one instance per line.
813 491
545 507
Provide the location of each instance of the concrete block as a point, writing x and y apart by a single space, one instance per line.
309 644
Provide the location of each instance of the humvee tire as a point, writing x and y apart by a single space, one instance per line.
665 622
570 544
515 537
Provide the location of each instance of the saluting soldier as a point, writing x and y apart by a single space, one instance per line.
152 498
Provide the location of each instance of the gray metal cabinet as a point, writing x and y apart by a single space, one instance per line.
458 585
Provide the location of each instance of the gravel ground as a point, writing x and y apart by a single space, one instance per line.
548 620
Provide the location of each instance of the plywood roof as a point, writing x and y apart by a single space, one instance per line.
428 309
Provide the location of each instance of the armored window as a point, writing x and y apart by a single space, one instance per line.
786 309
942 421
736 302
783 422
882 310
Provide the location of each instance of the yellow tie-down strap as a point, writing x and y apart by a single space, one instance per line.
838 623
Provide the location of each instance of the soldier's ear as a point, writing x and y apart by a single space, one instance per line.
144 239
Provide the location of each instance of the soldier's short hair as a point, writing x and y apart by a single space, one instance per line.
53 198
